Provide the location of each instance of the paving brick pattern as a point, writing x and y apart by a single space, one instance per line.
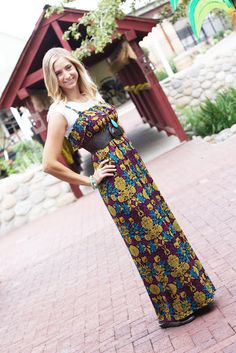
68 283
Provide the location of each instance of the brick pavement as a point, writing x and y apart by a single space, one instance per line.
68 284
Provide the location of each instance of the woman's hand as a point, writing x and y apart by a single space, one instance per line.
104 170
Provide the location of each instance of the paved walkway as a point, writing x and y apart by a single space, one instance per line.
68 284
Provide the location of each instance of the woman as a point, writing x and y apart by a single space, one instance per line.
174 278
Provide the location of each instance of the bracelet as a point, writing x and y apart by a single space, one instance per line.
93 182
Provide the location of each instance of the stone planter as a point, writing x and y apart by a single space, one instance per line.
28 196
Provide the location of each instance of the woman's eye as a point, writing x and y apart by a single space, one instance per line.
68 67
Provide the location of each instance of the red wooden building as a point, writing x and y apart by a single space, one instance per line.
26 85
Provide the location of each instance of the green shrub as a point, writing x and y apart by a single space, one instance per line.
218 36
6 168
161 75
212 116
28 153
173 66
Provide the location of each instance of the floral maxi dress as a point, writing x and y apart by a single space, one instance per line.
174 278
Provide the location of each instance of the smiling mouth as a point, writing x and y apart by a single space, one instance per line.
71 81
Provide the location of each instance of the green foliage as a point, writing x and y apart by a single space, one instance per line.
101 23
220 35
212 116
161 74
173 16
101 27
28 153
6 168
173 66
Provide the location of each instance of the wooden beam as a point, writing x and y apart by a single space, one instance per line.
71 17
57 29
130 35
137 24
22 68
23 93
30 79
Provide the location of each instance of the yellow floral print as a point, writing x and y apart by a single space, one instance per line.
134 251
145 194
173 261
172 287
147 222
172 274
200 297
119 153
120 183
112 210
154 289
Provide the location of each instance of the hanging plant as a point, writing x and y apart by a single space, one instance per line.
101 24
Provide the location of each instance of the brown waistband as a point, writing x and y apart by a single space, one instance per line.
99 141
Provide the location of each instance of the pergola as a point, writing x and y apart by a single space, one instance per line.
27 76
47 34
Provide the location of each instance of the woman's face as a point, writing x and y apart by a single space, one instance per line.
67 75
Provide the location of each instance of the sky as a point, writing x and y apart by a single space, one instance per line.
18 17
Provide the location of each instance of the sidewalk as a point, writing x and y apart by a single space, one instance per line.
68 284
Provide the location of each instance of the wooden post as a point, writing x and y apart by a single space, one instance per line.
164 107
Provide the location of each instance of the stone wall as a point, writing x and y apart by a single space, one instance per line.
210 73
25 197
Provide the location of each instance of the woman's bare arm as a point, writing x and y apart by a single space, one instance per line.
52 151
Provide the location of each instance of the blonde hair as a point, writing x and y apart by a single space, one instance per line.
85 83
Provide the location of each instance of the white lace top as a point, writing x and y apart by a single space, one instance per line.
69 114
